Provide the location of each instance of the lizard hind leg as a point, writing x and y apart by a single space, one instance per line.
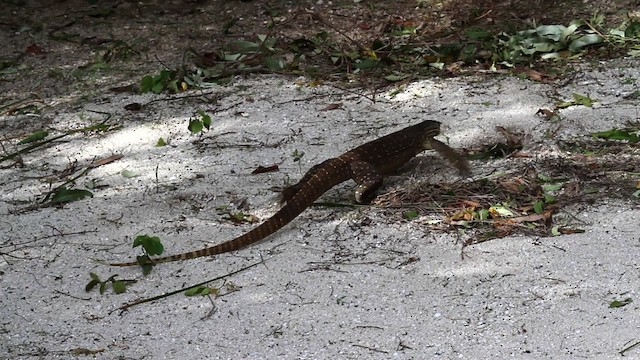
289 192
367 178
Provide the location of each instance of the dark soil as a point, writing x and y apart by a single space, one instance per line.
58 51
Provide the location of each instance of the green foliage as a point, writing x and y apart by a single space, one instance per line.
478 33
483 214
63 195
199 122
620 303
538 207
201 291
34 136
577 100
151 244
238 57
118 286
630 135
547 41
128 174
145 263
161 142
166 80
297 155
410 215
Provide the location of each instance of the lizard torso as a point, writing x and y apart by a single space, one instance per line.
365 165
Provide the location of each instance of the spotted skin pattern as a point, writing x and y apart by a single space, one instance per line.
365 165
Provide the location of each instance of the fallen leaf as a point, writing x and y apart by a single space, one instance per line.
133 107
545 215
106 160
263 169
34 49
548 114
131 88
567 231
332 107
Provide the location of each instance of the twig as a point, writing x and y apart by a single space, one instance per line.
629 348
158 297
68 132
31 147
604 38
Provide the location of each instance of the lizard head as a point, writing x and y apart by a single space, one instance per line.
427 130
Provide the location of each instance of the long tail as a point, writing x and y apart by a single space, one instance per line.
271 225
309 192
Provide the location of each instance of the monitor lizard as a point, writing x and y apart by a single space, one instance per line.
365 165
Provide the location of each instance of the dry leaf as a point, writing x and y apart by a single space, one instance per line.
263 169
105 161
332 107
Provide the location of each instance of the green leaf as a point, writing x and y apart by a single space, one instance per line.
544 177
200 290
483 214
538 207
173 85
94 276
34 136
366 63
396 77
128 174
157 88
620 303
477 33
91 285
565 104
591 190
633 30
585 40
119 286
437 65
615 134
502 210
195 126
161 142
103 287
410 215
234 57
555 231
274 64
568 31
205 119
64 195
146 269
151 244
582 100
245 46
551 32
549 199
552 187
145 263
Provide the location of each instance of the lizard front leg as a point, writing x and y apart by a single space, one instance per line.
450 155
367 178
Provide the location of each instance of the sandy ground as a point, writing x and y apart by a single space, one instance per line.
337 283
